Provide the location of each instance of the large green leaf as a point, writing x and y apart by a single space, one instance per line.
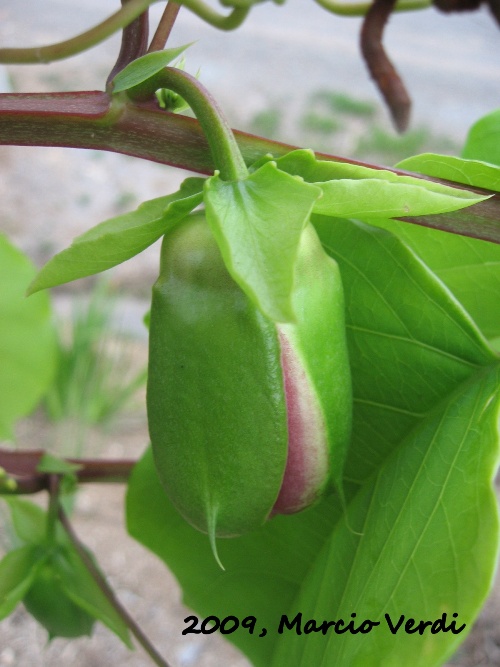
410 351
351 190
27 340
419 540
470 268
114 241
410 341
483 140
257 223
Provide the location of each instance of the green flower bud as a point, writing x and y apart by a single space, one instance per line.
247 417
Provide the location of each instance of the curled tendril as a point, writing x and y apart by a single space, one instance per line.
361 8
70 47
130 11
246 3
224 22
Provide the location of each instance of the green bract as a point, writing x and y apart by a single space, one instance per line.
247 417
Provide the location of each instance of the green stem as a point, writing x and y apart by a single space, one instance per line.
225 151
109 593
223 22
70 47
54 484
360 8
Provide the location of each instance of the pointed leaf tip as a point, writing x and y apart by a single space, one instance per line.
120 238
145 68
212 530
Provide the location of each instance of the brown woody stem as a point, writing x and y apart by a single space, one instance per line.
22 467
382 70
164 27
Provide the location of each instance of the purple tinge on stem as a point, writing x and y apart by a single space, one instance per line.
307 465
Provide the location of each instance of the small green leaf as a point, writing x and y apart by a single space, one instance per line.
81 588
355 191
118 239
29 520
17 571
257 223
170 101
48 603
469 172
483 140
145 67
27 340
55 465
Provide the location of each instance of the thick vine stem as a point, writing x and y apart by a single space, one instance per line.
86 119
226 154
22 468
361 8
381 68
70 47
106 589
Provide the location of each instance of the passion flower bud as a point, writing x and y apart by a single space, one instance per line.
247 417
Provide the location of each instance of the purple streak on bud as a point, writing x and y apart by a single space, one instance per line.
307 465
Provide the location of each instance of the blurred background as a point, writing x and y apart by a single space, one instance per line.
291 72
